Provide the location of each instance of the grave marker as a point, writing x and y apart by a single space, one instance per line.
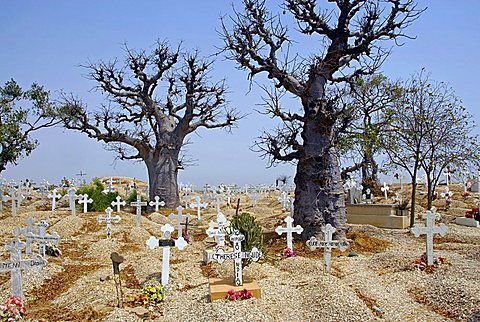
429 230
166 242
289 230
54 198
42 237
157 203
109 220
254 197
237 255
25 231
138 204
118 203
109 187
284 200
218 233
328 244
179 217
72 198
385 189
16 265
198 205
85 200
13 197
116 261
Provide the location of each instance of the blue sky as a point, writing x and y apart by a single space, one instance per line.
46 41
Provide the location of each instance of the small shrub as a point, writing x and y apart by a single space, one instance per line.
101 201
252 231
132 197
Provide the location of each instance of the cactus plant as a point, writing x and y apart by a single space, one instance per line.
252 231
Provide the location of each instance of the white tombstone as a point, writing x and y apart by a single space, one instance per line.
198 205
157 203
16 265
166 243
118 203
109 220
72 198
284 200
328 244
289 230
109 187
218 233
54 198
42 237
179 217
237 255
385 189
83 199
429 230
138 204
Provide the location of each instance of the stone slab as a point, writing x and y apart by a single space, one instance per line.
383 216
219 287
467 222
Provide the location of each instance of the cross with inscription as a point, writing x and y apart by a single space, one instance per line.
179 217
109 220
328 244
289 230
237 255
138 204
157 203
54 198
429 230
166 242
42 237
16 265
198 205
218 233
118 203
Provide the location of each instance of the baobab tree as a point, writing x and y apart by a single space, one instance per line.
349 35
139 123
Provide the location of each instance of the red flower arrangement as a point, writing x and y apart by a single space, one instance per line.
287 252
240 295
421 264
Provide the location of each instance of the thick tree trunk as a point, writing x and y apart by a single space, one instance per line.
162 167
319 196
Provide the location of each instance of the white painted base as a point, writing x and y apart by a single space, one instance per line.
207 255
467 222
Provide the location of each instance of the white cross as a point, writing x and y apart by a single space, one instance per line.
139 204
198 205
218 233
289 230
179 217
24 231
109 220
429 230
237 255
157 203
85 200
447 174
42 237
166 243
385 189
109 188
16 265
254 197
127 190
218 198
446 193
284 200
44 188
229 196
72 197
54 198
14 196
118 203
328 244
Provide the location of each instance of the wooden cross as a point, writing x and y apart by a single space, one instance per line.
42 237
179 217
118 203
385 189
157 203
54 198
16 265
109 188
109 220
237 255
328 244
218 233
289 230
198 205
72 197
429 230
166 242
85 200
138 204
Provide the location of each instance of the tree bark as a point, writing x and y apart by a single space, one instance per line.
162 167
319 195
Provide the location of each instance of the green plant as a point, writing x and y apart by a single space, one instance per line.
150 295
132 197
252 231
101 201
